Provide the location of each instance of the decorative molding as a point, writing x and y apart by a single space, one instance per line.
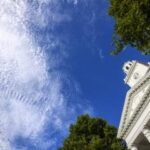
137 114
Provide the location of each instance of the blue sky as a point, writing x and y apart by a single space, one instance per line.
55 64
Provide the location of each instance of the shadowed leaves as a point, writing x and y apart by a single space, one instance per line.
92 134
132 24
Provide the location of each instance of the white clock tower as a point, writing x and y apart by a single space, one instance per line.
135 71
134 126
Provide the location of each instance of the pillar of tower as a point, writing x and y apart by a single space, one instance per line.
146 133
134 148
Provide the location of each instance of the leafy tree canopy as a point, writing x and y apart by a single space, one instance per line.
132 24
92 134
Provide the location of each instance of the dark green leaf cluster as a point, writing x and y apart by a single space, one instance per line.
132 24
92 134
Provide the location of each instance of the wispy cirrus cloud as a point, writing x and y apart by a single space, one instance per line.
36 95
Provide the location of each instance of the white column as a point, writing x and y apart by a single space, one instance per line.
146 133
134 148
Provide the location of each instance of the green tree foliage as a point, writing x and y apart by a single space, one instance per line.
92 134
132 24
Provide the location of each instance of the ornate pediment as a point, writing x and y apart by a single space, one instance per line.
136 99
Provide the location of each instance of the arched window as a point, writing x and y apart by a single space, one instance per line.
127 67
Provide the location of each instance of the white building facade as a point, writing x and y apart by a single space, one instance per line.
134 126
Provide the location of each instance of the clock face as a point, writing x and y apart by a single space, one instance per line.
136 75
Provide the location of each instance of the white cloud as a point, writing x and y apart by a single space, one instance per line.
30 96
22 67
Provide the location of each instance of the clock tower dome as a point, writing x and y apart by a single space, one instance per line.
134 71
